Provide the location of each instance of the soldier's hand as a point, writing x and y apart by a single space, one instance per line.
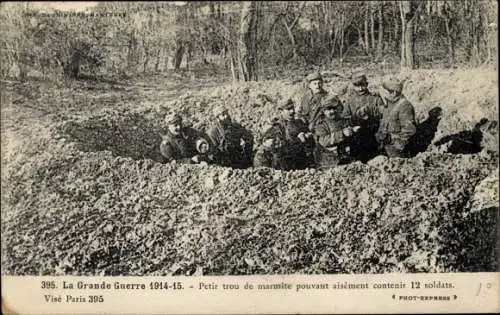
347 131
195 159
356 128
363 113
268 143
242 143
309 135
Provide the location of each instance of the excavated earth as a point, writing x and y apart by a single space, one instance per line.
85 193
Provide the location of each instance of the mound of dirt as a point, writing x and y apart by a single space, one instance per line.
97 214
87 197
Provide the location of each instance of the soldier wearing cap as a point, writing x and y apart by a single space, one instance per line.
179 143
232 143
361 105
309 104
270 153
296 141
397 124
333 133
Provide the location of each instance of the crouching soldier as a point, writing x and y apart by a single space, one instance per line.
397 125
333 133
179 144
232 143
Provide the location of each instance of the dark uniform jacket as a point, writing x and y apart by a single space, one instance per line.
332 146
226 141
292 154
367 104
309 106
397 126
181 147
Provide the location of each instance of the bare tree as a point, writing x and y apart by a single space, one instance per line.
247 41
408 11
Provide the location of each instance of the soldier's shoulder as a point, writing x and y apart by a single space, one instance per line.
406 104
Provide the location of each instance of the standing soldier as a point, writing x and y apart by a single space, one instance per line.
361 105
310 102
397 124
179 144
294 138
333 134
232 143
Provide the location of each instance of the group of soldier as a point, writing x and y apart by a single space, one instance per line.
321 131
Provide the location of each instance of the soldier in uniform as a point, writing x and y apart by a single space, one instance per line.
295 141
361 105
232 143
270 153
334 134
397 125
310 102
179 144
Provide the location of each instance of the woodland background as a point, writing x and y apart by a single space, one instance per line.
243 40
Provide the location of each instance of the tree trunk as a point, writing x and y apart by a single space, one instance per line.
380 42
342 18
247 43
408 20
367 38
396 32
146 55
372 26
449 34
132 51
179 53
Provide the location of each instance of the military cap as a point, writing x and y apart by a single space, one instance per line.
173 119
359 79
219 110
436 112
314 76
331 101
393 86
287 104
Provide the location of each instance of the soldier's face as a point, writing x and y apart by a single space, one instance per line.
329 112
360 88
288 113
204 148
175 129
333 112
224 117
316 86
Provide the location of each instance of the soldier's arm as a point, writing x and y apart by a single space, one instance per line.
407 121
301 112
214 136
261 159
166 151
347 111
445 139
